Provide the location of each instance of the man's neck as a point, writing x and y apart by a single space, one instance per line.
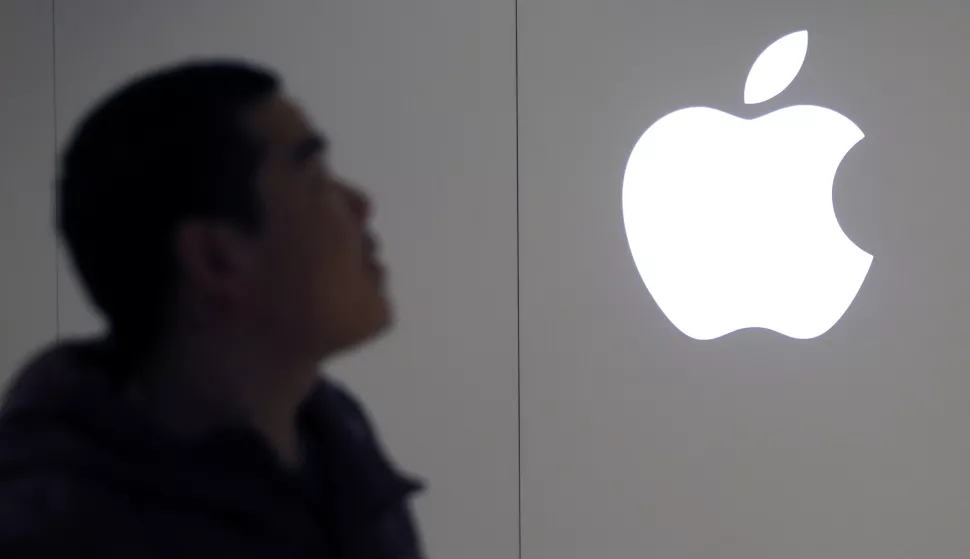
192 392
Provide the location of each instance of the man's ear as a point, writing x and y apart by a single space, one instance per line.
215 260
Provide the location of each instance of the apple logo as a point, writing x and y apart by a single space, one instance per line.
731 222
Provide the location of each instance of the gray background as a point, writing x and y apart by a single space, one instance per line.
635 441
638 441
28 249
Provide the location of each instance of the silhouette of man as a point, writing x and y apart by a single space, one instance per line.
229 259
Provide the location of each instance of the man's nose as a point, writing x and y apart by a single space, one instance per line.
360 203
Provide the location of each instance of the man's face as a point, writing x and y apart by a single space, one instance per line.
315 282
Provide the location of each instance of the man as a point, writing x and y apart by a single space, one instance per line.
229 259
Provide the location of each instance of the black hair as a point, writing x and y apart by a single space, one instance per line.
168 146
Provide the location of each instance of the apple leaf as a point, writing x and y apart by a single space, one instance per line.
776 68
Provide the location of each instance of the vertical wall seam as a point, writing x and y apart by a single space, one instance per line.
54 170
518 279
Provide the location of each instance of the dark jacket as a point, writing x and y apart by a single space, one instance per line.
83 475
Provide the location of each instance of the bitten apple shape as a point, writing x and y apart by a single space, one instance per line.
731 222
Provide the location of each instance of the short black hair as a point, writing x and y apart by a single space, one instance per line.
166 147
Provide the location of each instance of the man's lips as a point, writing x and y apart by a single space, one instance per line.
371 249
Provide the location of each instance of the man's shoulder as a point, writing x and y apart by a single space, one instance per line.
40 513
50 511
46 502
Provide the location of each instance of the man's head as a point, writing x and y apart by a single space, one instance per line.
200 197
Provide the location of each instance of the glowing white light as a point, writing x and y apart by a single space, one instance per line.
730 221
776 68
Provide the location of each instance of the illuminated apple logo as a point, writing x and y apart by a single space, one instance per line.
731 221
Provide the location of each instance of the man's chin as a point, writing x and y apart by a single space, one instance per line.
381 321
386 319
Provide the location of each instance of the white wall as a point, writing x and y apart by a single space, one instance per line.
28 297
636 441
